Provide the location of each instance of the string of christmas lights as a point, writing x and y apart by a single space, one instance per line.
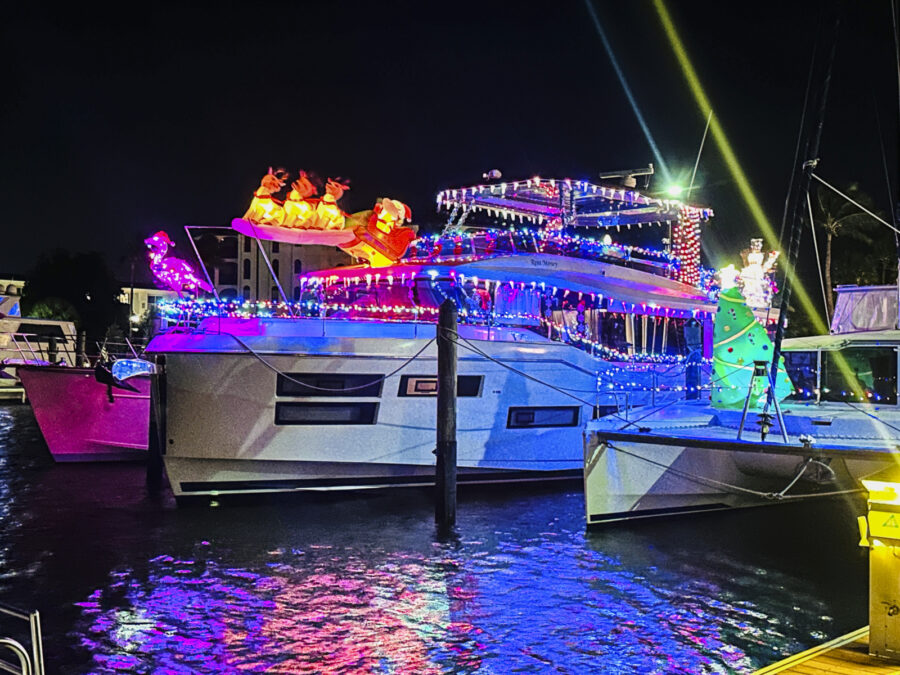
197 309
686 245
478 244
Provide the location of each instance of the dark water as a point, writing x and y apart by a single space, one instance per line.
130 583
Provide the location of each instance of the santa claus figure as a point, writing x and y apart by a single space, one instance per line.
380 236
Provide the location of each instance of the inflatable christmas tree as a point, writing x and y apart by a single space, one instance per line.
739 340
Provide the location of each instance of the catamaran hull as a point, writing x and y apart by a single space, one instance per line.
628 480
230 428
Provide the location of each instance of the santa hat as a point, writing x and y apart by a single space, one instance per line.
159 238
395 209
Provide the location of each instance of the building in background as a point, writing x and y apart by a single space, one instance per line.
11 286
288 262
238 269
142 299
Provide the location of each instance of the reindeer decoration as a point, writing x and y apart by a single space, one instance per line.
265 209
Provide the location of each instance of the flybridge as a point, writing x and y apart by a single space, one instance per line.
570 202
555 204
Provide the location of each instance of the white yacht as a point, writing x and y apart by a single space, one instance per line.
558 323
840 424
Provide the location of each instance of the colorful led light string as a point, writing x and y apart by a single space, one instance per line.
494 242
448 198
177 311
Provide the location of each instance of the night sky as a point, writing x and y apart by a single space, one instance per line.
115 124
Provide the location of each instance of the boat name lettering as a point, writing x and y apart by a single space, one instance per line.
543 263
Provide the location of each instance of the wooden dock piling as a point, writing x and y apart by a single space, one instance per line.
445 468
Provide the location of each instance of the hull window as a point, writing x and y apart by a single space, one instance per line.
531 418
325 413
426 385
328 384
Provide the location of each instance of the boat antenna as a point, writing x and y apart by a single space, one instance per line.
700 152
807 167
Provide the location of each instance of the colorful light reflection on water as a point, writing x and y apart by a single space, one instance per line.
362 586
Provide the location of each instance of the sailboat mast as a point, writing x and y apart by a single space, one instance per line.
896 211
811 155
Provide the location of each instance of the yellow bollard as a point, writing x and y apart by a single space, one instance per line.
880 532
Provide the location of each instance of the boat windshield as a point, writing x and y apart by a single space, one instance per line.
858 374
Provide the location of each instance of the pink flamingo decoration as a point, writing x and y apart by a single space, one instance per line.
174 273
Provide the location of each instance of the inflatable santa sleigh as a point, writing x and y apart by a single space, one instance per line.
377 236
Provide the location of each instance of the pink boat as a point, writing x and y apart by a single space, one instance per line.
79 421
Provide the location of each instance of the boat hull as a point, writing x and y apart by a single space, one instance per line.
633 480
79 422
223 435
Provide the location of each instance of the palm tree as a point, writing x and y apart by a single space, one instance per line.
839 218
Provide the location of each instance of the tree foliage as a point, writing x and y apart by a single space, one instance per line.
867 253
62 283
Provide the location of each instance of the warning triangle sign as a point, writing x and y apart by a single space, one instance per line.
891 522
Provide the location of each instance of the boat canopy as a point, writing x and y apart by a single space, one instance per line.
875 338
865 308
572 202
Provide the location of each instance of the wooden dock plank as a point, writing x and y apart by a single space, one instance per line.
846 655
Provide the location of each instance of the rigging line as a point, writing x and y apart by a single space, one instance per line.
895 212
856 204
781 494
877 419
187 231
271 270
796 163
884 162
476 350
309 386
728 486
703 480
459 340
678 400
811 158
896 46
812 228
700 151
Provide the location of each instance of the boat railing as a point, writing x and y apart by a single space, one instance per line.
126 348
28 663
23 348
